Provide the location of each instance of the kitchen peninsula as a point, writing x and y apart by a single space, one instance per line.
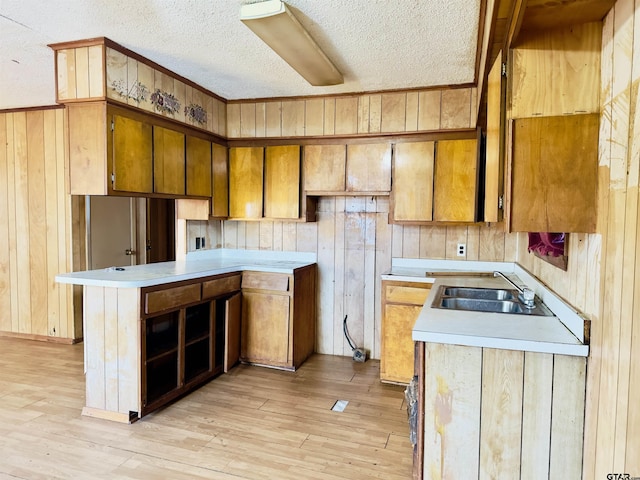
154 332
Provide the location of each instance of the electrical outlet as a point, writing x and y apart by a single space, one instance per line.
197 243
462 250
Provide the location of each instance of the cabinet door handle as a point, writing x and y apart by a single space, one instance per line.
129 251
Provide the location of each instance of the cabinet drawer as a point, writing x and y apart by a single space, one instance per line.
265 281
171 298
406 295
220 286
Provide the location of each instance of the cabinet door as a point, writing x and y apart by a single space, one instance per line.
198 158
282 182
494 159
554 174
325 168
412 194
168 161
132 155
369 168
232 331
265 328
397 356
245 182
220 181
456 180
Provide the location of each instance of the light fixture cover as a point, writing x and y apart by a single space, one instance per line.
276 25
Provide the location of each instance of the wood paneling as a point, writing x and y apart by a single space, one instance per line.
352 238
501 414
35 225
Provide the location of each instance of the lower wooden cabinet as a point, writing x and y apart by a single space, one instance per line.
278 318
401 305
191 340
490 413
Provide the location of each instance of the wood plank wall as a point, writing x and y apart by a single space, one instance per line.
35 226
352 237
603 277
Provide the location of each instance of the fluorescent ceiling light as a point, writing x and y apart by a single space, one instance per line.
274 23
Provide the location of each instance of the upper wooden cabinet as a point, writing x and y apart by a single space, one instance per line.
115 150
494 157
282 182
266 183
220 181
412 194
110 150
325 169
369 168
556 72
455 191
435 181
554 174
246 176
198 163
355 169
168 161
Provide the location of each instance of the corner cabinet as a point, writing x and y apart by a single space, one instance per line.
278 318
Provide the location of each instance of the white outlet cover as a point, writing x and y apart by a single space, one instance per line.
462 250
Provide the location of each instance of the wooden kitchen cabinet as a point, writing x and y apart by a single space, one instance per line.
369 168
219 181
278 318
168 161
198 166
110 150
412 193
282 182
355 169
504 414
401 305
189 333
435 181
325 169
495 141
246 177
455 191
554 174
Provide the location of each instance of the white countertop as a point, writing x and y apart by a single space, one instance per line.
198 264
559 334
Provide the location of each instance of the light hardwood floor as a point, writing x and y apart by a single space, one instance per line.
253 423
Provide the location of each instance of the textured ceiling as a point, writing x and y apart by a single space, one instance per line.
376 44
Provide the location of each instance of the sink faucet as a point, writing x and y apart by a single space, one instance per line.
526 295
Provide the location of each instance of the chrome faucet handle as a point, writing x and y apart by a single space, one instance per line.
528 297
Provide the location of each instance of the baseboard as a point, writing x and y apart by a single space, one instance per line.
41 338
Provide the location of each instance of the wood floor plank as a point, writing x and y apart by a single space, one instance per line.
253 423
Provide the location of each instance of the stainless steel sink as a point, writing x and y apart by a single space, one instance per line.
494 300
480 293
